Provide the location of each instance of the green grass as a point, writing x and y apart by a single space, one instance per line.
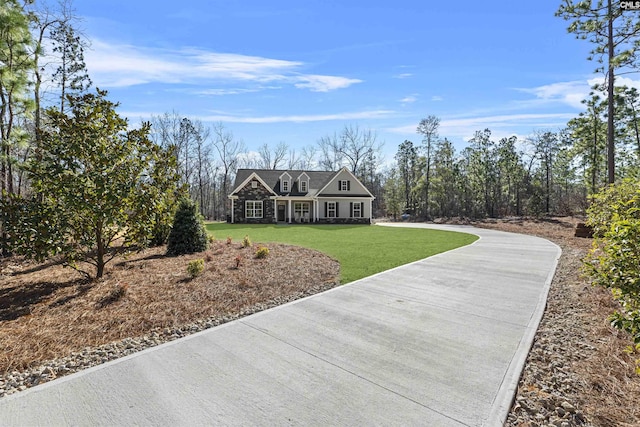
362 250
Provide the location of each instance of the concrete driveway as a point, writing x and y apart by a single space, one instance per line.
439 342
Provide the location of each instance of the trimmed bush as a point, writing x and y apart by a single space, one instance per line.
262 252
246 242
195 267
188 234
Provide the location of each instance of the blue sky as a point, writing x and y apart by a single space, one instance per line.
294 71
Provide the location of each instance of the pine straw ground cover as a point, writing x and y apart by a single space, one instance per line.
577 356
48 311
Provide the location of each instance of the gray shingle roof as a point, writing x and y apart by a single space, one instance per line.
317 179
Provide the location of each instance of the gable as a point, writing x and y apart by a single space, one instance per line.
249 181
344 184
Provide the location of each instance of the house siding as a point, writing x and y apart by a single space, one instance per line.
323 186
261 194
344 212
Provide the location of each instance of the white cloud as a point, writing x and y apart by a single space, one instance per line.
317 83
112 65
359 115
409 99
403 76
233 91
437 98
570 93
500 125
620 81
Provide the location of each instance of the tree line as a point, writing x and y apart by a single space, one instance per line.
44 86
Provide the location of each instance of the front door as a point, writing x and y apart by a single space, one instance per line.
281 210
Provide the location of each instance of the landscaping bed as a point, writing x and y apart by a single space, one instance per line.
54 322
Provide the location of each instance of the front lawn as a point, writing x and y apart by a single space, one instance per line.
362 250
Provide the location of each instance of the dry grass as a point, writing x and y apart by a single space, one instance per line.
48 311
575 325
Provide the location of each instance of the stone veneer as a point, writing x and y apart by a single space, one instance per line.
344 221
259 193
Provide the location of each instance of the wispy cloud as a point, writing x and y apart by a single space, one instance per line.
569 93
114 65
409 99
436 98
232 91
505 124
358 115
403 76
317 83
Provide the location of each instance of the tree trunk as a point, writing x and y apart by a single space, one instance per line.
100 252
610 96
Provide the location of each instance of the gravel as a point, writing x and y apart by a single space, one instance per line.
550 387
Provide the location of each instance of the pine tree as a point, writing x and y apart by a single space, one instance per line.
188 234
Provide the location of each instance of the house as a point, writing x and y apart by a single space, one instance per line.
263 196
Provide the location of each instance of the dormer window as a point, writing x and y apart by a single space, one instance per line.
285 185
303 186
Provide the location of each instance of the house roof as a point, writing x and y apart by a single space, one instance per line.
317 179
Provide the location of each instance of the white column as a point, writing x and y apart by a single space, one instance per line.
232 204
289 209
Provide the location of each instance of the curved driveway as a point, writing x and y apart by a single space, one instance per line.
439 342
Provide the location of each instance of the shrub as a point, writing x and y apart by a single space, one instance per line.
238 261
262 252
188 234
246 242
614 216
229 240
613 260
195 267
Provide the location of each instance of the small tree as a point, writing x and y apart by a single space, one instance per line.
188 234
94 172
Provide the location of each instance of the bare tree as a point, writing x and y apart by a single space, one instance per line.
171 129
202 164
357 145
272 159
331 157
229 150
294 160
308 158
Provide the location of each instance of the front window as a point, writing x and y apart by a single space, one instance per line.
357 210
303 186
331 209
253 209
285 185
301 210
